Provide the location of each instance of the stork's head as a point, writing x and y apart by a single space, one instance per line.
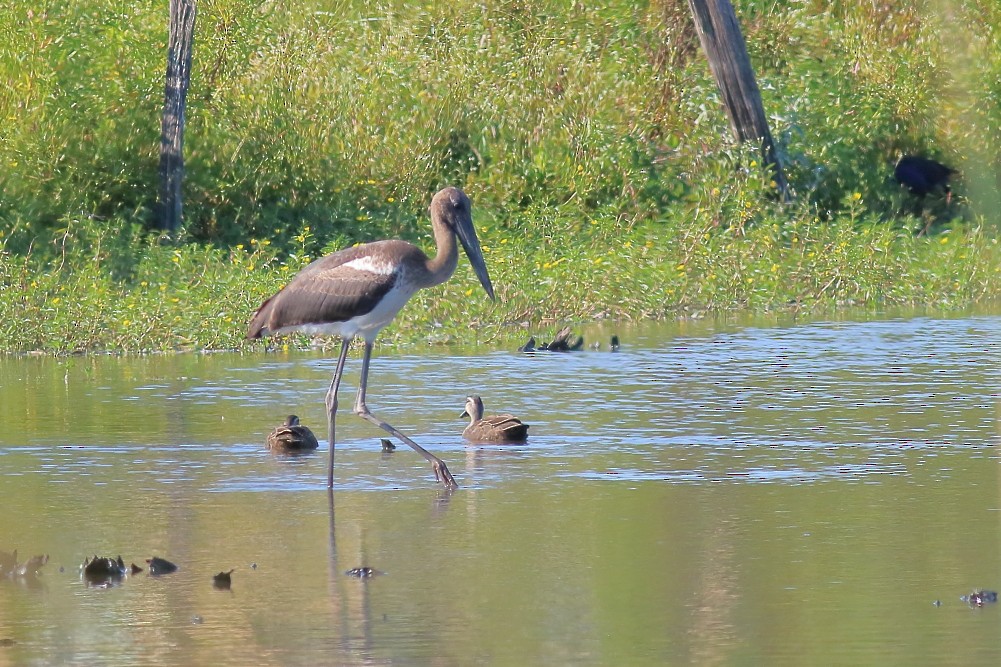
451 206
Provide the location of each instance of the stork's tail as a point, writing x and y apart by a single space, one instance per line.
258 327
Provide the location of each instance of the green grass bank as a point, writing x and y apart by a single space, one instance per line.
589 137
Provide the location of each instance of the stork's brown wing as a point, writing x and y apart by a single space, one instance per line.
335 288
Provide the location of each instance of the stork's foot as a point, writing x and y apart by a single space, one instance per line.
442 474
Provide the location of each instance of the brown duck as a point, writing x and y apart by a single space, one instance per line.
292 436
496 428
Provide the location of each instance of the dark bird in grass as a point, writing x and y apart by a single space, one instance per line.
292 436
492 429
357 291
923 176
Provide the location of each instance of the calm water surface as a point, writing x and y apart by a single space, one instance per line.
718 492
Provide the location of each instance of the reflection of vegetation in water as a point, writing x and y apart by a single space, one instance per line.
591 141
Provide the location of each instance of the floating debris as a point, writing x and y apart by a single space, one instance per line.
158 566
562 342
197 620
222 581
387 446
363 572
8 563
31 566
103 566
103 571
980 597
11 569
565 342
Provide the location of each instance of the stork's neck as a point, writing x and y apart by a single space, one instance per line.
442 265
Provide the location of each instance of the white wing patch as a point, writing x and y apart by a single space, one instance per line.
371 265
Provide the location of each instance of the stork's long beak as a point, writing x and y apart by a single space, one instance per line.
467 236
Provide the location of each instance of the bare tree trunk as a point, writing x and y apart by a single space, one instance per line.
719 32
182 33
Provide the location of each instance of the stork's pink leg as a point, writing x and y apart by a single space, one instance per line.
441 472
331 403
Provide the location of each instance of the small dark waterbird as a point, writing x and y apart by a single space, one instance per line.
357 291
495 428
922 176
528 346
292 436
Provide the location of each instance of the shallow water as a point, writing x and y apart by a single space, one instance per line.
718 492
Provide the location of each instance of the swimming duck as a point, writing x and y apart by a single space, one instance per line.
496 428
292 436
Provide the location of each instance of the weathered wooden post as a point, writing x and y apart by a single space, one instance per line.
182 33
719 33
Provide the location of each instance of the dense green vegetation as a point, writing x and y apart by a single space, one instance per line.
589 137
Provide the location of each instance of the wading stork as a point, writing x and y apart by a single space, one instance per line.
358 291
